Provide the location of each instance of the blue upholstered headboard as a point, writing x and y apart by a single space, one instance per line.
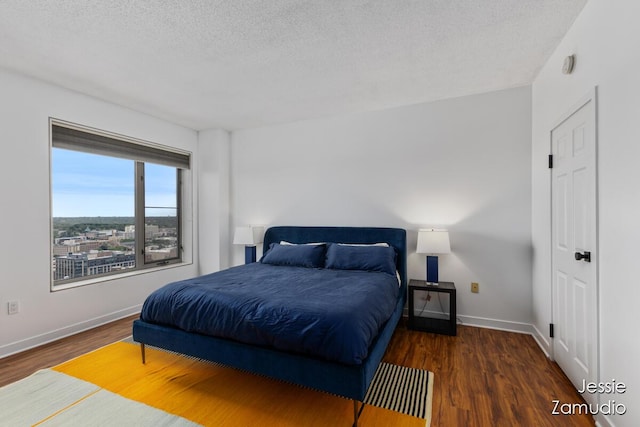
396 237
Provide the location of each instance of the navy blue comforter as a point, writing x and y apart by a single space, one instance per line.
332 314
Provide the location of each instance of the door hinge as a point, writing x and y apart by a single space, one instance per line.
550 161
550 330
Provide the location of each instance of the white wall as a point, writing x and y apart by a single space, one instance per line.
604 39
213 208
463 164
25 108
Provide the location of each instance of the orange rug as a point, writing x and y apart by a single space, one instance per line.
210 394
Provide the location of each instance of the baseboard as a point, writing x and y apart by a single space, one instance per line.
542 341
501 325
483 322
47 337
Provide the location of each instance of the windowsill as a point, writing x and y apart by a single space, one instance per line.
110 278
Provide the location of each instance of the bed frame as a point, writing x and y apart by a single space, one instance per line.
349 381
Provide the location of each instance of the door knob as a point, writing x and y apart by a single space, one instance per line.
586 256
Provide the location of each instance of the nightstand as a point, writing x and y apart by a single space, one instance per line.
439 321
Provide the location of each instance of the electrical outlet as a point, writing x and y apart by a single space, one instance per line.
13 307
475 287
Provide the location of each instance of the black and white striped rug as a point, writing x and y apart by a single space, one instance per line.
405 390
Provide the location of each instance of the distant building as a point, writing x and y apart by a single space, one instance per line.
153 255
150 231
76 265
69 240
85 246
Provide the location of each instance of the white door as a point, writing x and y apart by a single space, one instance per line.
574 246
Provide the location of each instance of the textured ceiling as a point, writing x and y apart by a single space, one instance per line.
247 63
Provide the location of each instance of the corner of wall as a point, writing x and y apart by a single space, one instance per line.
214 158
543 342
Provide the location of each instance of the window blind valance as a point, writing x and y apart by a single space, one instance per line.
74 139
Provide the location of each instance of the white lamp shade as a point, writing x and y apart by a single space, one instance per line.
433 242
248 235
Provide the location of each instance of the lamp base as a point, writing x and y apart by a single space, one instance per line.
249 254
432 270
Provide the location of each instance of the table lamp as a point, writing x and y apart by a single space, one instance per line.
431 242
249 236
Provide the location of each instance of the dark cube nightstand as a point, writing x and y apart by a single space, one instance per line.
429 321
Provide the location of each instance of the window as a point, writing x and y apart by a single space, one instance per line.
116 204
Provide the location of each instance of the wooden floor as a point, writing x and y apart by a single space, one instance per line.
483 377
20 365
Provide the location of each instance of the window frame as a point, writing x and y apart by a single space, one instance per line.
140 216
141 266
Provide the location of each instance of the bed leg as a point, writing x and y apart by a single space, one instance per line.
144 359
356 412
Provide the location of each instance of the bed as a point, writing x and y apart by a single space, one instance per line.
347 373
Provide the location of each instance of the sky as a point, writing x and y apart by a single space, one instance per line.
91 185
